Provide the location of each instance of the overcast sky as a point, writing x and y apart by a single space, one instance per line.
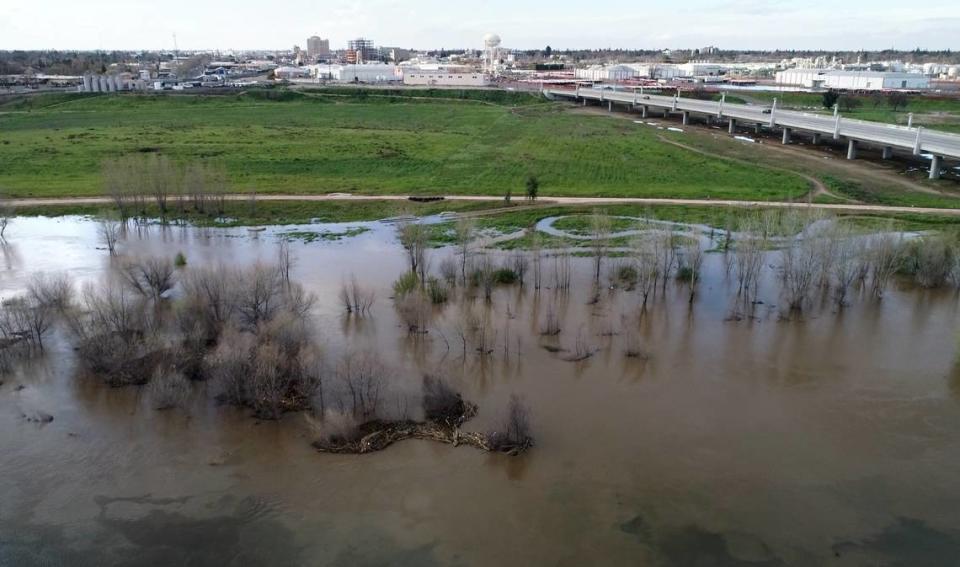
240 24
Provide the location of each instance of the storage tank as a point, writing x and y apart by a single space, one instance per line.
102 79
87 83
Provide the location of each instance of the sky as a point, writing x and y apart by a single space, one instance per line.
523 24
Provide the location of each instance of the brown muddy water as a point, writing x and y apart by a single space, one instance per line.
827 439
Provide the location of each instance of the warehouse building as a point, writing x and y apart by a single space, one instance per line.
444 77
354 73
852 80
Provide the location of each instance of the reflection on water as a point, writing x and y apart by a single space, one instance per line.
828 438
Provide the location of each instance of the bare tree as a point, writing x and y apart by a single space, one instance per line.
150 278
54 291
361 376
801 262
665 249
562 271
648 268
413 238
465 233
513 435
119 183
356 298
537 253
414 310
885 253
693 256
163 180
600 226
110 234
6 214
520 265
847 263
285 260
218 186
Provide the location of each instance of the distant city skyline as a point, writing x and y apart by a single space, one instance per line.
432 24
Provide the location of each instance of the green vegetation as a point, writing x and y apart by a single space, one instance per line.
317 141
308 236
240 213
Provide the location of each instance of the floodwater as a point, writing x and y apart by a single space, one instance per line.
827 439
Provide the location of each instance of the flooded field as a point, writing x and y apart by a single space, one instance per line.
715 431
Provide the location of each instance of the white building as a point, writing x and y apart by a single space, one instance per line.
444 77
699 69
852 80
606 73
356 73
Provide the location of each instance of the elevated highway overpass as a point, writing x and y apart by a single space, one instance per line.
888 137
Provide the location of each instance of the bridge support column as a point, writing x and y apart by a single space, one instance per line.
887 152
786 136
644 110
756 128
935 167
584 102
609 106
851 149
816 139
732 127
666 113
686 118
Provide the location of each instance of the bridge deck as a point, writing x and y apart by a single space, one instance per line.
914 140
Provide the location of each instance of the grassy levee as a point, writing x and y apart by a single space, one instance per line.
378 142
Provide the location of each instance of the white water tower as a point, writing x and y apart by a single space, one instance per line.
491 52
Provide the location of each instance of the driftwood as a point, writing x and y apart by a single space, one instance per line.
378 435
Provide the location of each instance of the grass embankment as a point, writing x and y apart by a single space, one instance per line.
851 182
317 141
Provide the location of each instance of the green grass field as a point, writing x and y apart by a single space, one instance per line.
380 142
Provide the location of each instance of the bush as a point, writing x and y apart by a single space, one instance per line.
168 389
180 260
513 436
441 403
505 276
437 291
406 283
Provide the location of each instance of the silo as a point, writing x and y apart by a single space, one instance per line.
87 84
102 79
117 83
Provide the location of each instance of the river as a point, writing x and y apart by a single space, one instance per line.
828 438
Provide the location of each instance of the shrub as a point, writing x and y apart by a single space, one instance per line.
505 276
513 435
441 403
167 389
180 260
437 291
406 283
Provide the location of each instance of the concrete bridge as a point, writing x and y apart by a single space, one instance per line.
887 137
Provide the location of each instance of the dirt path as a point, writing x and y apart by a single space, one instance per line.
542 201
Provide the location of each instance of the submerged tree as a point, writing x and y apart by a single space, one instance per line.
600 226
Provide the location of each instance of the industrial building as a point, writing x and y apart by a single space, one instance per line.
444 77
852 80
352 73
